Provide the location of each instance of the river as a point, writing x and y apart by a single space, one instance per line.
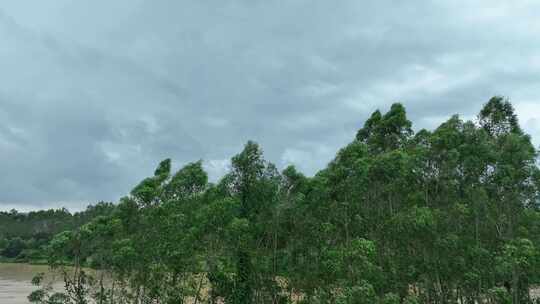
15 283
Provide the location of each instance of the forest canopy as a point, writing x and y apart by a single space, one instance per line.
450 215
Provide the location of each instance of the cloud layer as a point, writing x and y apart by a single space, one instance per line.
95 93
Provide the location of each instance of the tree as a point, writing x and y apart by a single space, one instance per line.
14 247
388 132
497 117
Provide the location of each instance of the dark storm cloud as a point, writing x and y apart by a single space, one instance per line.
95 93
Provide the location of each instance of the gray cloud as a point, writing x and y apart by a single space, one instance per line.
95 93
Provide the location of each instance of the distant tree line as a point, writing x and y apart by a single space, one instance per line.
25 236
444 216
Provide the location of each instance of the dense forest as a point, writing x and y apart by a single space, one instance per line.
24 236
444 216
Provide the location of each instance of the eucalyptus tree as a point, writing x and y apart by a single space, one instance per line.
254 184
511 187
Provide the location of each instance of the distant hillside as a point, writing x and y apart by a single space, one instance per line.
23 235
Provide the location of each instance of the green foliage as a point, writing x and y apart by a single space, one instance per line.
25 236
444 216
498 117
386 132
14 247
45 294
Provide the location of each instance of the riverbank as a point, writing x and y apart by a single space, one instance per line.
15 281
4 260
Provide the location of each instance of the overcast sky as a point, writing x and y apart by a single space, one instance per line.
93 94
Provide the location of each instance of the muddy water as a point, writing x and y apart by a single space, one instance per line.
15 282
